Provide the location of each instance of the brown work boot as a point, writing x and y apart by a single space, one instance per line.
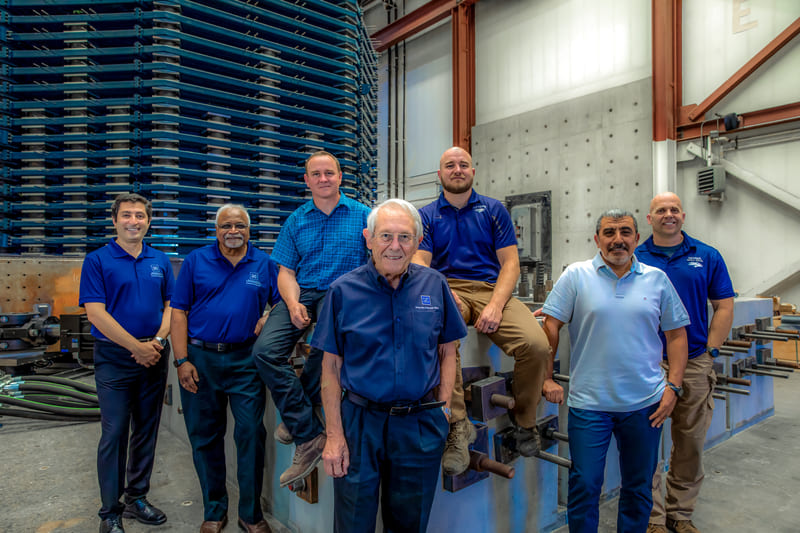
261 527
656 528
306 457
455 458
529 442
681 526
213 527
282 434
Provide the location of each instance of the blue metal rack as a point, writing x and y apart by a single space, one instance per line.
193 103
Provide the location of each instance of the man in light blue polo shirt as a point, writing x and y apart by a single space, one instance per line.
615 307
126 287
221 294
319 242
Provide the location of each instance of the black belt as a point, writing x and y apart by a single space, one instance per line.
406 408
221 347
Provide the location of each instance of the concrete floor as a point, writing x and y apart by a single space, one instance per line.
48 482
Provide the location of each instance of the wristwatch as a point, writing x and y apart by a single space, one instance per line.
677 390
446 410
179 362
161 340
713 352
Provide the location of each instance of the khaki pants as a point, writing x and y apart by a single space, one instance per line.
690 421
519 336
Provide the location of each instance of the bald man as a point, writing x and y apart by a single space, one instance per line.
470 238
699 274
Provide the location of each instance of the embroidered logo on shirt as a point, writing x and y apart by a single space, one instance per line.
253 280
479 208
426 303
155 272
696 262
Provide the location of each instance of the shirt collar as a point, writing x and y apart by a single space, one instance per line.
248 256
598 263
118 251
687 244
341 203
474 198
378 278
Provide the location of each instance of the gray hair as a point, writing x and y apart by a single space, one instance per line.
225 207
400 204
615 213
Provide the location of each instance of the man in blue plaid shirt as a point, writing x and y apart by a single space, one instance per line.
319 242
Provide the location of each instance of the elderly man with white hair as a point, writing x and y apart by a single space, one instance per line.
388 330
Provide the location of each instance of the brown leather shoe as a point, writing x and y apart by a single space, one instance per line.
213 527
261 527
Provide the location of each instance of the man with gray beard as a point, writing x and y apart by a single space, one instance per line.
221 294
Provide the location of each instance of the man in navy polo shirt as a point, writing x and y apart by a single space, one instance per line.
223 290
388 330
699 275
126 287
615 307
319 242
471 240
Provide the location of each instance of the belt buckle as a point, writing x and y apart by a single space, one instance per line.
220 346
400 410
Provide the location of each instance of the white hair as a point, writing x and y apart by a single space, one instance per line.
225 207
397 203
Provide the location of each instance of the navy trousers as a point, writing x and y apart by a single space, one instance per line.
398 455
589 437
294 397
226 379
130 397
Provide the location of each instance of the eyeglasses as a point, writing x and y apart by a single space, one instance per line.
228 227
402 238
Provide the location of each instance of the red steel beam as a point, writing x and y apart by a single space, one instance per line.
757 60
666 21
750 120
413 23
463 75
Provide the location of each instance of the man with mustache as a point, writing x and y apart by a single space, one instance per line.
320 241
615 307
699 275
470 238
222 291
126 287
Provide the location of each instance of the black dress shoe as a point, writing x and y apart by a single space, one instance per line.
111 525
143 512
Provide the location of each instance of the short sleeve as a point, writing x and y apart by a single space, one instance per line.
673 313
327 336
92 287
183 294
560 303
453 327
504 233
285 251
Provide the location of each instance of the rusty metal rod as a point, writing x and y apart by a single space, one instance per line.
501 400
787 364
740 344
480 462
553 458
719 396
723 388
792 334
726 352
734 381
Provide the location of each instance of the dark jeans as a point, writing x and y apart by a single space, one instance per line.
398 455
130 397
589 437
293 396
227 378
